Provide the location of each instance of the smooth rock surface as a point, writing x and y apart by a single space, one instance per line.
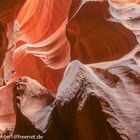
40 37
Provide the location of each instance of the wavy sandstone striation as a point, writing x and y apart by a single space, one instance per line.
128 14
45 41
90 104
92 31
40 37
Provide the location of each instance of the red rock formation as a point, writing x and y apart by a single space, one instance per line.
10 9
51 54
8 12
48 32
95 38
48 49
127 14
30 95
7 116
44 59
93 98
3 42
42 19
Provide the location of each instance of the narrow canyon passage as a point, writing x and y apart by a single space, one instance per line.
39 39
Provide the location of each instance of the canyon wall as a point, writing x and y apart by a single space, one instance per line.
39 38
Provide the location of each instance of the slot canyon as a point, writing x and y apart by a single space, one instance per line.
70 69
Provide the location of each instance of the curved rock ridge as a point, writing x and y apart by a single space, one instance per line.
94 37
92 94
44 60
46 42
128 13
42 19
41 39
53 51
31 96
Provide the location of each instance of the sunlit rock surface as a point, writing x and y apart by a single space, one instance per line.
31 94
91 103
128 13
40 37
